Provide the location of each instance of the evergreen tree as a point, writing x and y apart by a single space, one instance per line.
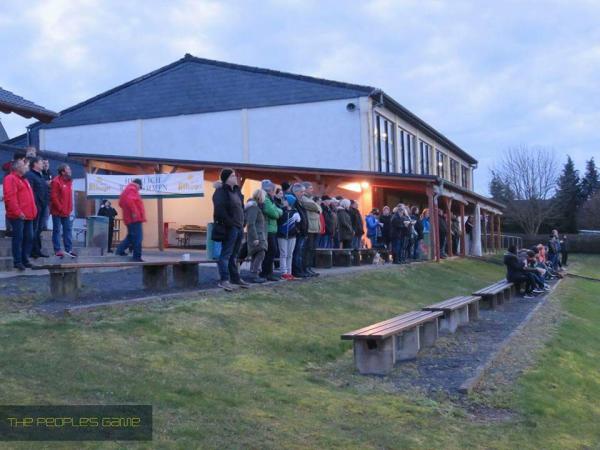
500 190
590 184
568 198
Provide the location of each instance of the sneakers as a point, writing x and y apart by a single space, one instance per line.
538 291
60 254
273 277
28 265
528 296
226 285
20 267
288 277
241 283
70 254
258 280
547 288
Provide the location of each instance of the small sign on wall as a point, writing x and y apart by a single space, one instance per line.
158 185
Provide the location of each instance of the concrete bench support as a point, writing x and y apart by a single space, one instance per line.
323 258
375 357
64 283
155 277
474 311
408 344
450 321
186 275
428 333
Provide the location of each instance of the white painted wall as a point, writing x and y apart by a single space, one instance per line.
321 134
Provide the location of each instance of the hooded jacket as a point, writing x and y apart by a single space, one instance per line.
18 197
345 224
39 188
272 212
357 222
514 267
313 211
228 204
330 219
131 203
256 227
61 196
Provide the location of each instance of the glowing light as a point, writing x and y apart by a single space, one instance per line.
354 187
364 185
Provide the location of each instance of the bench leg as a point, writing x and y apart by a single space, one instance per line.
463 315
65 284
374 357
506 294
185 275
429 333
500 298
155 277
408 344
474 310
450 321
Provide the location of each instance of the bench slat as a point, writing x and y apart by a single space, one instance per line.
494 288
392 326
91 265
453 303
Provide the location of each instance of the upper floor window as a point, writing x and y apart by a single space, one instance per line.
407 145
425 154
454 170
464 176
440 163
385 144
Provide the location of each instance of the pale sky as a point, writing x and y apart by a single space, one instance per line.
487 74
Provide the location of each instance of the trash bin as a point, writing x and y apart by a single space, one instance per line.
213 248
97 232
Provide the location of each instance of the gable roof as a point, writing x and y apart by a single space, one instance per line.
194 85
10 102
3 135
19 141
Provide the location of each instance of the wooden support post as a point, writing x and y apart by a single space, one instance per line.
493 232
462 230
433 228
449 225
498 233
159 209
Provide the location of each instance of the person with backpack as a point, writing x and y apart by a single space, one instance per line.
257 233
298 260
287 228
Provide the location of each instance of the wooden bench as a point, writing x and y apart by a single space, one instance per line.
367 255
378 347
65 280
342 257
457 311
323 258
496 294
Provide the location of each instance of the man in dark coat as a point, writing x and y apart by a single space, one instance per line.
228 203
443 232
42 197
106 210
357 224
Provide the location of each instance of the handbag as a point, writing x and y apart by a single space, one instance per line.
219 232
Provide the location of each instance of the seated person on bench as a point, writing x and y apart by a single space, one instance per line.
515 271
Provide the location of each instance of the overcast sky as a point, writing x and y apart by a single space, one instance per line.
487 74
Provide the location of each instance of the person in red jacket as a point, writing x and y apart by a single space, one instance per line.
20 211
61 207
134 215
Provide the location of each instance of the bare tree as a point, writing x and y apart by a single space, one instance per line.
531 174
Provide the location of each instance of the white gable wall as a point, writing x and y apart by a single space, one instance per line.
321 134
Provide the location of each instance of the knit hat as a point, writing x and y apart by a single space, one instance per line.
138 182
267 185
291 199
225 173
285 186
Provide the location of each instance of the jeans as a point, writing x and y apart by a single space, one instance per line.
309 250
38 227
325 241
228 269
133 239
21 240
443 245
416 250
271 254
65 224
347 243
526 278
298 257
356 242
398 249
286 252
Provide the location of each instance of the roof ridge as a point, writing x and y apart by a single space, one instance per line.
279 73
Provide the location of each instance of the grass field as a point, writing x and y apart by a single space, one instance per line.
253 370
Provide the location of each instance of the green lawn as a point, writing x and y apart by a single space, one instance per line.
268 369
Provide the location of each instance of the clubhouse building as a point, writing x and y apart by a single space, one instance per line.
198 114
